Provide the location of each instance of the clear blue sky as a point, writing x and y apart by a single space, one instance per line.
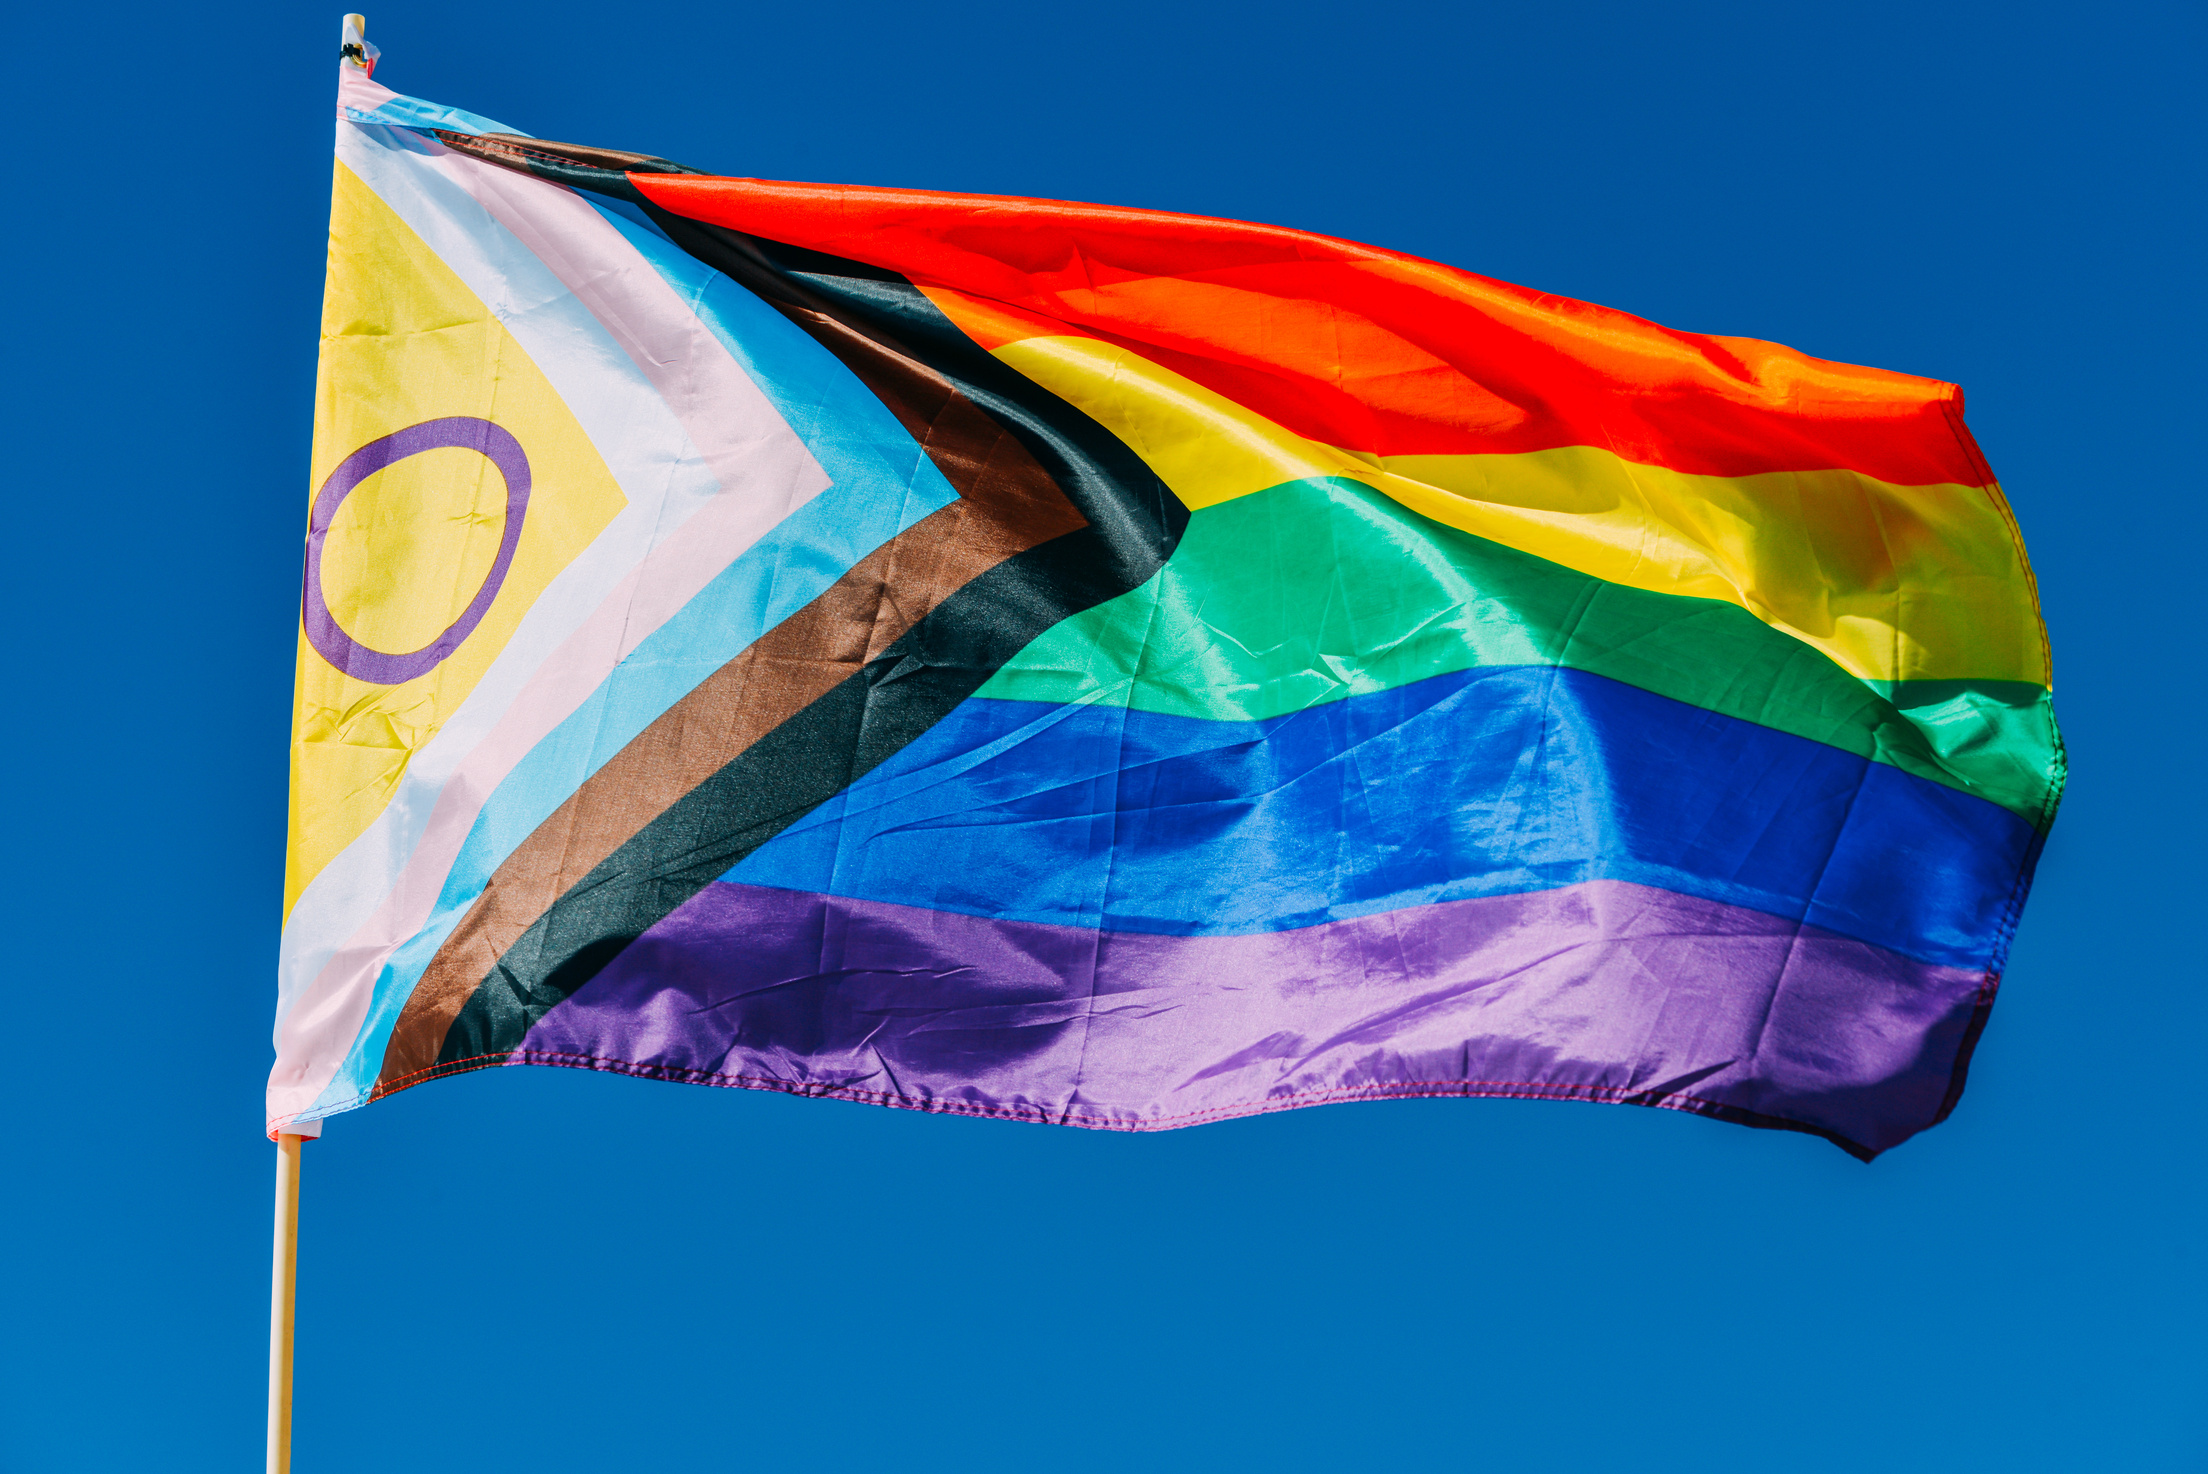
535 1269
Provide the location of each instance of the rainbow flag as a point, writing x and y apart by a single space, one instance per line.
1123 669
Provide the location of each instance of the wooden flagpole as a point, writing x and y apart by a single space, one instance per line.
284 1262
283 1284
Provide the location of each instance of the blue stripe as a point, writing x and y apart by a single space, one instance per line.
1486 782
412 112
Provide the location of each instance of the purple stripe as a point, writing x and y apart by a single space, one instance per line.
1603 991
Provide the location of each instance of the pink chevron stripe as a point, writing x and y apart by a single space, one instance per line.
765 474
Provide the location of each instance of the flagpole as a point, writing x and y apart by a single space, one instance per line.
284 1261
283 1284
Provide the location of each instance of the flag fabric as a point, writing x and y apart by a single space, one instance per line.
1118 668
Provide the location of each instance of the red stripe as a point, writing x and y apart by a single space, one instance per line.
1368 349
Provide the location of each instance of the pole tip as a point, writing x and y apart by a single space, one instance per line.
353 40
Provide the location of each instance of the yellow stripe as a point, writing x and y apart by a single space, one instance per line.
404 340
1891 582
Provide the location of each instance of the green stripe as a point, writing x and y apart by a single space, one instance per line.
1993 738
1316 590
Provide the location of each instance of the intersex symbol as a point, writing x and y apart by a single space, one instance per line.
455 432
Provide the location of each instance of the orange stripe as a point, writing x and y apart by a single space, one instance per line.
1889 582
1368 349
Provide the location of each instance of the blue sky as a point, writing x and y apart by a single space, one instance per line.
535 1269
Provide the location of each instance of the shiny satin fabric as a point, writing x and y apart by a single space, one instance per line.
1087 665
1600 992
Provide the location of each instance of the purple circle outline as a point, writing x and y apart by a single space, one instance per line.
454 432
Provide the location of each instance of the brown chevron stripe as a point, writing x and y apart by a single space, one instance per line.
1012 506
1007 504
